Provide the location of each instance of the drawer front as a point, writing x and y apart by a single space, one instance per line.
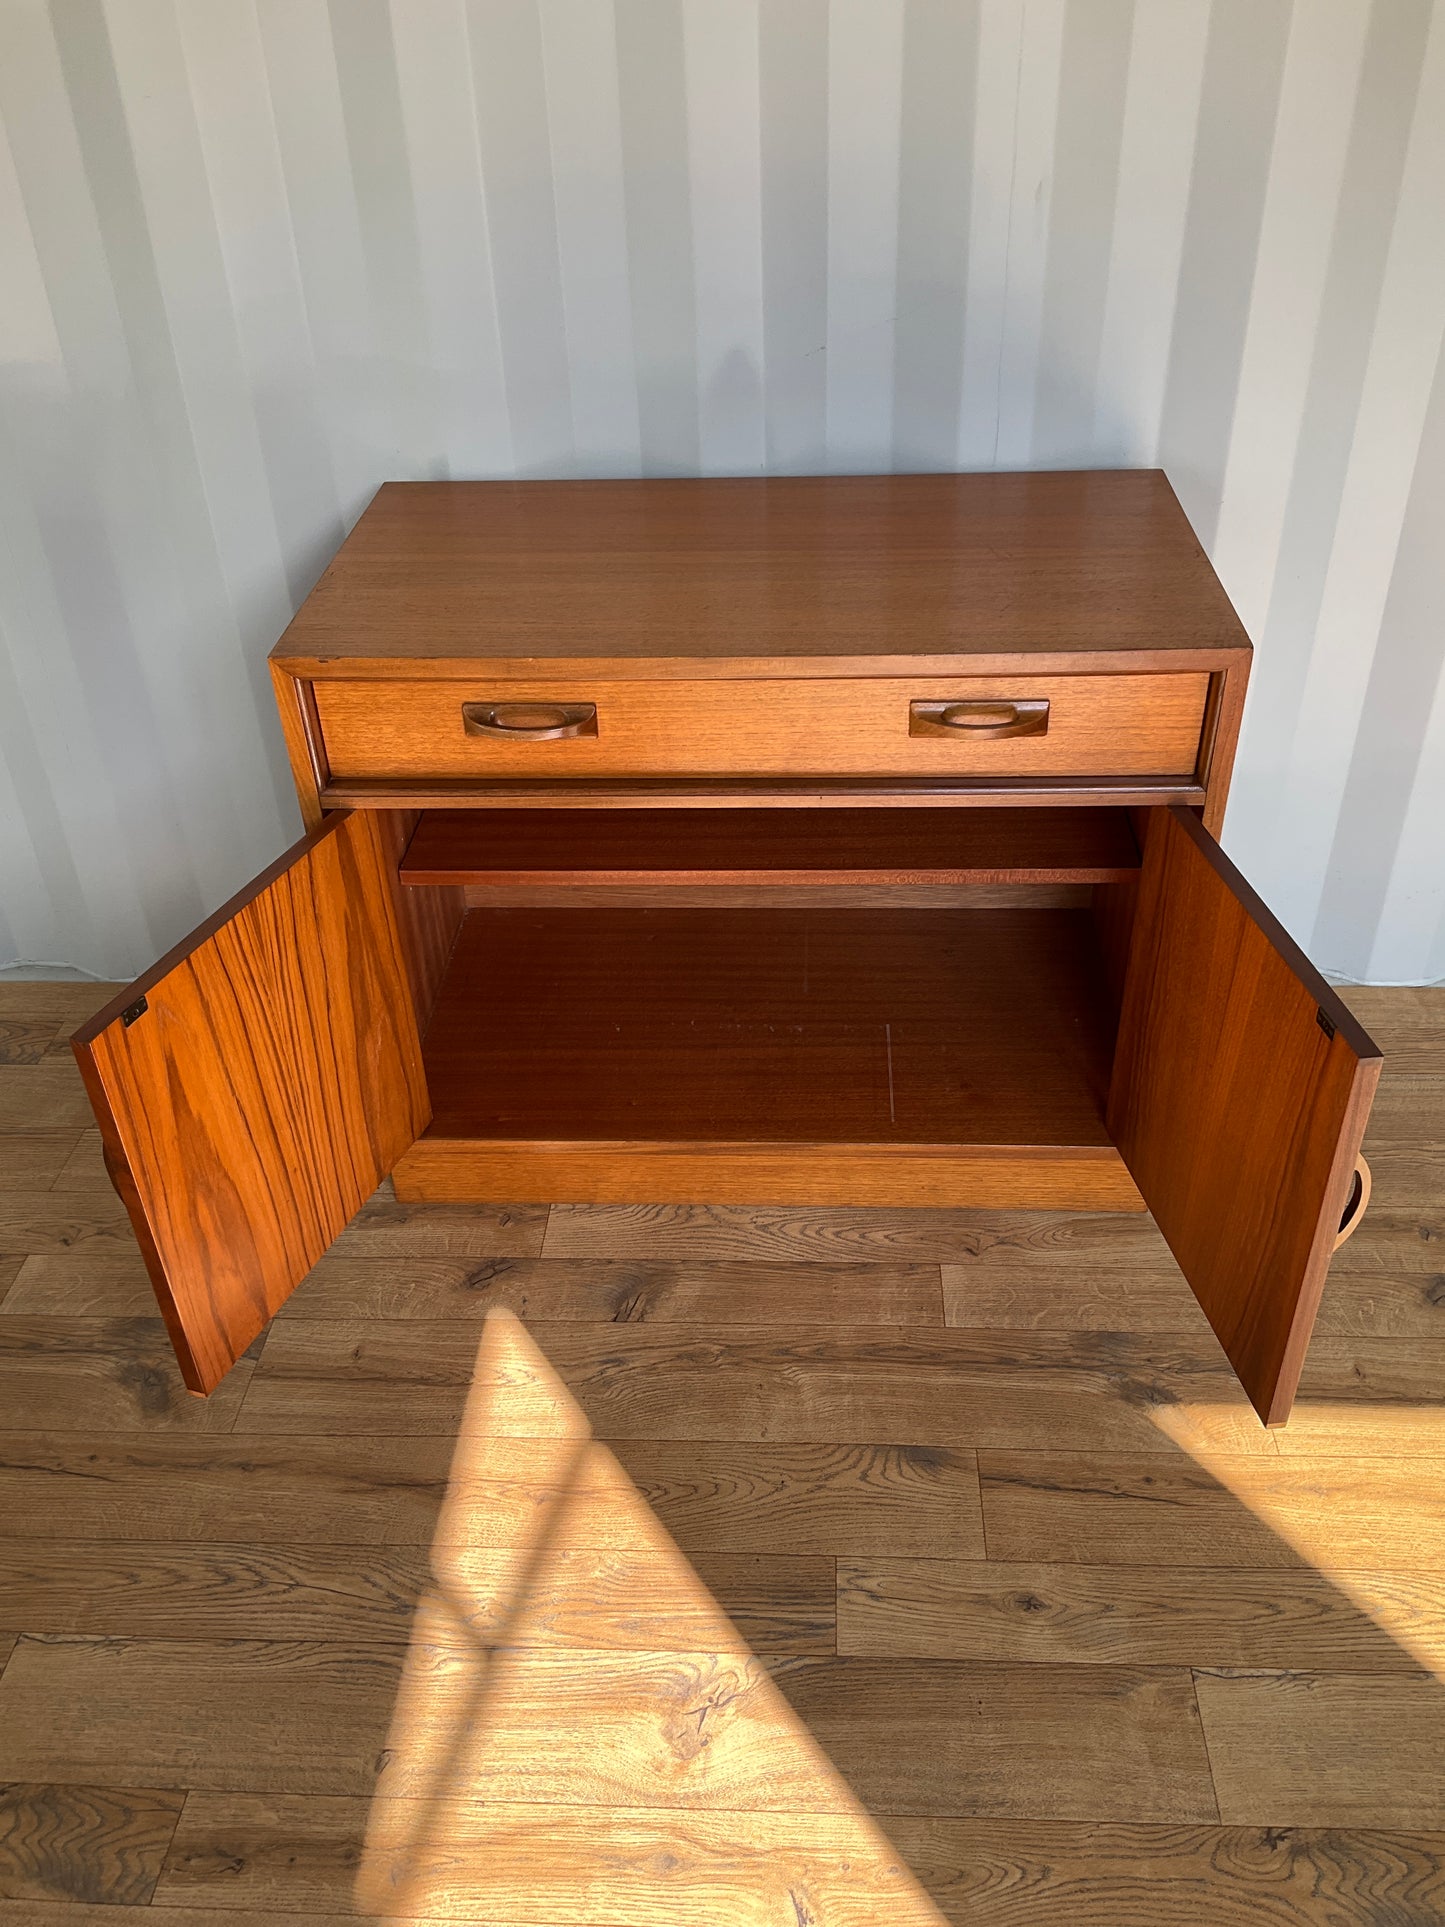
873 726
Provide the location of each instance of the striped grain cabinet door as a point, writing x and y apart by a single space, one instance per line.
255 1086
1240 1092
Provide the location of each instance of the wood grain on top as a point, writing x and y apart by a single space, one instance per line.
892 567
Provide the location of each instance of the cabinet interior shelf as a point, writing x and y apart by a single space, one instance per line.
844 846
821 1027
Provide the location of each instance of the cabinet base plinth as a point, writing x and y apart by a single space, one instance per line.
982 1177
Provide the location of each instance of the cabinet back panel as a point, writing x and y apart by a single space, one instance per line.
984 1027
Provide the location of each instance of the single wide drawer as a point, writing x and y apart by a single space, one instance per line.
844 726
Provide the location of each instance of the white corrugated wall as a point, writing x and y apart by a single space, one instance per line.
258 255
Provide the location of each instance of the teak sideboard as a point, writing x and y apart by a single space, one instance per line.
813 841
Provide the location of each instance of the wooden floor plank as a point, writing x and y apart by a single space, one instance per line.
384 1228
1069 1298
622 1291
815 1500
831 1500
707 1496
33 1160
1010 1873
1138 1615
1092 1297
687 1730
1037 1741
1370 1397
59 1000
1408 1110
21 1913
99 1281
76 1374
35 1017
24 1039
655 1599
1383 1305
10 1269
47 1098
518 1867
514 1865
1377 1514
94 1844
134 1588
682 1730
1323 1749
283 1715
1403 1180
316 1717
1394 1241
1408 1025
84 1169
777 1234
36 1221
1100 1390
174 1485
643 1599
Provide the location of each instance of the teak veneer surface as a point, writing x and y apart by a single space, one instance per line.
923 567
461 1170
270 1082
774 792
837 726
1240 1091
987 1027
856 846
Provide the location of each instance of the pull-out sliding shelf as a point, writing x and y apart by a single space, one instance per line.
771 847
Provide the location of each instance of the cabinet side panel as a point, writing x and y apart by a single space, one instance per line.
1240 1091
256 1086
1223 717
429 918
296 706
1113 907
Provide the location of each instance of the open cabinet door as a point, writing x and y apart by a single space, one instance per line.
1240 1092
257 1084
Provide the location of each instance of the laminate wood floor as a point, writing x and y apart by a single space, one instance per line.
659 1567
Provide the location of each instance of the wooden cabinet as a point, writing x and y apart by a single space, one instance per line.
808 841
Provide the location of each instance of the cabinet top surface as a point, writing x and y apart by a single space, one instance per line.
893 567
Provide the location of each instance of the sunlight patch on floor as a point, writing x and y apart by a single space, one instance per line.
581 1733
1336 1494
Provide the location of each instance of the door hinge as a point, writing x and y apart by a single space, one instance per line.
137 1009
1326 1024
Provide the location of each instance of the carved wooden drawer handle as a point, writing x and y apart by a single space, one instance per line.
979 719
529 722
1355 1204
